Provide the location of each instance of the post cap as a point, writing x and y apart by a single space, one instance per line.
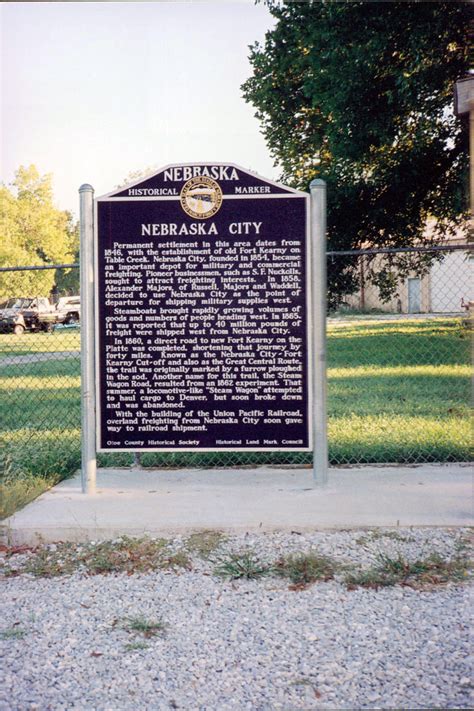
86 188
317 183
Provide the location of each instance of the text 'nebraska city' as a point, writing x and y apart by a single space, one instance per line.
166 229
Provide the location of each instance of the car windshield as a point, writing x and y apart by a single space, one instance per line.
17 303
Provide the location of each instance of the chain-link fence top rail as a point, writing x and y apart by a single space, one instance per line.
398 369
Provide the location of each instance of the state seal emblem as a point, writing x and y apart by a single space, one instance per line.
201 197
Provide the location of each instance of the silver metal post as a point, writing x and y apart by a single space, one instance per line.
89 464
318 240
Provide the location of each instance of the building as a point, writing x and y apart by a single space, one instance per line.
447 287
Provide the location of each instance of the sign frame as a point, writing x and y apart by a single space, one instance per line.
286 193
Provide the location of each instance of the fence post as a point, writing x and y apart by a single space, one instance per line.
89 465
318 244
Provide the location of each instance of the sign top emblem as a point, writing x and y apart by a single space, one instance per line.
201 197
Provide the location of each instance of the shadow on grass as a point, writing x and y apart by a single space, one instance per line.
431 396
399 343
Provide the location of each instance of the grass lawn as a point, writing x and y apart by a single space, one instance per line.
399 391
61 339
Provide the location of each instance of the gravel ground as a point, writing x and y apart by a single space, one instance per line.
245 644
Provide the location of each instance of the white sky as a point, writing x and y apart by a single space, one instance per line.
92 91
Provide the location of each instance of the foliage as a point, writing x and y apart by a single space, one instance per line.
68 280
360 94
148 628
12 633
33 232
241 565
135 175
18 490
205 543
429 571
303 569
122 555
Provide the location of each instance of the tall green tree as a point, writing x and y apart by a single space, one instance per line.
68 280
33 232
360 94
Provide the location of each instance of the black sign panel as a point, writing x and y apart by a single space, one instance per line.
203 313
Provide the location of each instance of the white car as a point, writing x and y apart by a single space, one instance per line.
70 306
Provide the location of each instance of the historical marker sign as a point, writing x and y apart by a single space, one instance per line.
202 276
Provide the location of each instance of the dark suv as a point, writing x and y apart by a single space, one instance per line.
28 314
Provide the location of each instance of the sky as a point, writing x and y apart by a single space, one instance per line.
93 91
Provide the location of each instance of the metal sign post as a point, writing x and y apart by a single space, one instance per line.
318 243
89 465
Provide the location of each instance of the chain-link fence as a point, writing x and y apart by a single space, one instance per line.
399 355
39 371
398 369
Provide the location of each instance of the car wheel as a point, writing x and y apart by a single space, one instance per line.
71 318
18 329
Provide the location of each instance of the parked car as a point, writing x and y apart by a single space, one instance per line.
70 308
29 314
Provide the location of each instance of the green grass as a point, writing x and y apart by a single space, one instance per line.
19 490
43 395
432 570
398 391
303 569
135 646
141 625
400 342
242 565
377 535
205 543
60 340
12 633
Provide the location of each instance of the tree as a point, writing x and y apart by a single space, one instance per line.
68 280
135 175
33 232
360 94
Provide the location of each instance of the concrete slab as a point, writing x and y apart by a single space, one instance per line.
136 502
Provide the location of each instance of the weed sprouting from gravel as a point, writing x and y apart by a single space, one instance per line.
140 625
241 565
177 560
12 633
464 545
432 570
135 646
369 578
123 555
303 569
377 535
48 562
205 543
128 556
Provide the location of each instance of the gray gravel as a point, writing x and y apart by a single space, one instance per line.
243 644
